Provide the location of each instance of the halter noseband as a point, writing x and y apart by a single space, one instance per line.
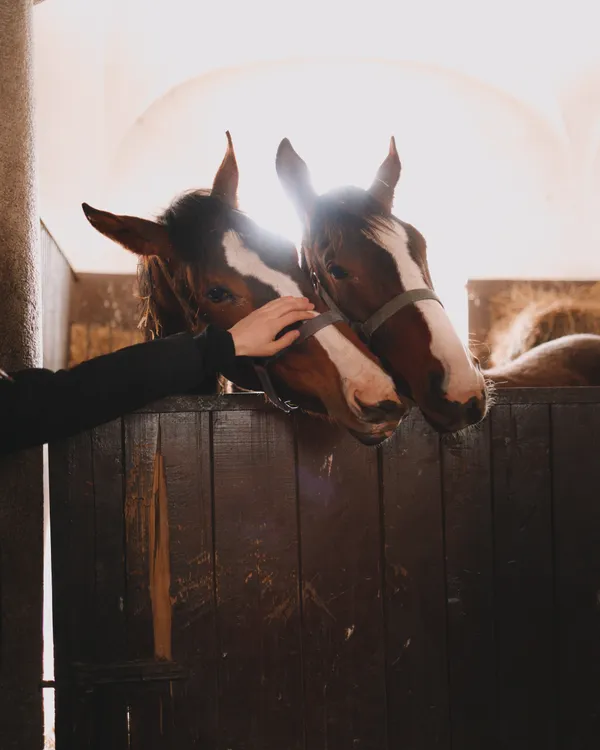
366 329
308 328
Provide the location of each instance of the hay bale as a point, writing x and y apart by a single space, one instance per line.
527 316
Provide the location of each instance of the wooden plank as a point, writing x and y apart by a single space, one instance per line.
479 321
343 623
415 591
105 299
72 526
120 338
576 437
186 441
78 344
110 710
99 340
260 698
141 439
469 571
257 402
523 586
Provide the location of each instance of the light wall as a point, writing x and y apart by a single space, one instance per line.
496 116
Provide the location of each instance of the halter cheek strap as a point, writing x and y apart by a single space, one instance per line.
369 326
395 305
309 328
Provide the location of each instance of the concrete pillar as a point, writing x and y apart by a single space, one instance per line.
21 477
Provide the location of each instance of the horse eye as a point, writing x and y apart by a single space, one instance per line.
218 294
337 271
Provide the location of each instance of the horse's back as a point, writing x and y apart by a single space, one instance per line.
567 361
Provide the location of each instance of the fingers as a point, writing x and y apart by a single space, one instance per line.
282 343
283 305
294 317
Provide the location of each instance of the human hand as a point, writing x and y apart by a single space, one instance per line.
254 335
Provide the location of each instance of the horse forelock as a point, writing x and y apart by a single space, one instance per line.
160 312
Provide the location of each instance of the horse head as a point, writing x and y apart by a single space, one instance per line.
374 268
204 261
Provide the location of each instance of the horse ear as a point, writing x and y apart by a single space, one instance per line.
140 236
387 178
225 184
295 178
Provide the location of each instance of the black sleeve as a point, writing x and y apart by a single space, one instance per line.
39 406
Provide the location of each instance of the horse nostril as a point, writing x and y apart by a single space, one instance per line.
380 412
436 384
475 409
390 408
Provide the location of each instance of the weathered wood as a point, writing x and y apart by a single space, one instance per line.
429 617
343 624
257 582
469 571
141 440
523 585
74 572
99 341
257 401
141 672
186 441
576 479
415 591
110 710
78 344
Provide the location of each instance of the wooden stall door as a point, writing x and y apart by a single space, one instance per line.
228 578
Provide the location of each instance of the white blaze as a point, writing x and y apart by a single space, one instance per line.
462 380
358 374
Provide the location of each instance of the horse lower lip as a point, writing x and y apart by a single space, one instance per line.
370 438
392 413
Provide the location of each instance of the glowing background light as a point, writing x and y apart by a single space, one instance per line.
458 186
497 122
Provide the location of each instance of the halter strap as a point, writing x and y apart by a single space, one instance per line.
395 305
368 328
308 328
314 325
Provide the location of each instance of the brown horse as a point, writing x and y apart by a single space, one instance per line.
528 316
373 267
572 360
203 261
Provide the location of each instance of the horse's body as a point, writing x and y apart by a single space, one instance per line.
204 261
545 317
566 361
366 261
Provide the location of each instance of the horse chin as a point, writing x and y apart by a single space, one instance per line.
456 420
373 437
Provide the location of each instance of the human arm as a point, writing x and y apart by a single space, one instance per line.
39 406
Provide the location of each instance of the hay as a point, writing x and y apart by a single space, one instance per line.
527 315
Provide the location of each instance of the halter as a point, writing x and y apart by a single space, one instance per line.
307 329
367 328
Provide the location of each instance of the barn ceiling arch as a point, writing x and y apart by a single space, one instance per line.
491 109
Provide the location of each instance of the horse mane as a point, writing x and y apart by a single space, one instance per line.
195 222
532 316
150 321
348 209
